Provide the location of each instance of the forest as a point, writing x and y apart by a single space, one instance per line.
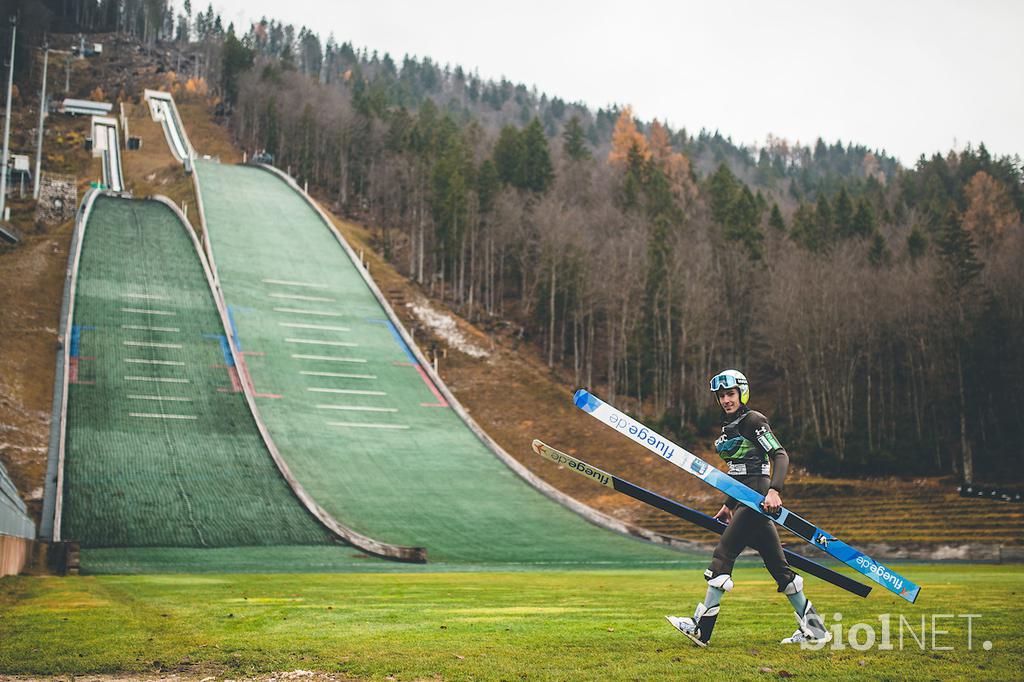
875 308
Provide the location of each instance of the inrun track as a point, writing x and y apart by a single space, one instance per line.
161 451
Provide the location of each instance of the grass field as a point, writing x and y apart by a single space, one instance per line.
504 626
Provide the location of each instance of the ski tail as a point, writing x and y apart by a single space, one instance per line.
744 494
695 517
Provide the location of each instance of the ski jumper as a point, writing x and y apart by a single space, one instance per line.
756 458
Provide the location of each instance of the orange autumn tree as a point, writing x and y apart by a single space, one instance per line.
625 137
674 164
990 212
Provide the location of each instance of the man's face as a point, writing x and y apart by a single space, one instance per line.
729 399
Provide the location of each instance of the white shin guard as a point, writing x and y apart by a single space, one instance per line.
811 624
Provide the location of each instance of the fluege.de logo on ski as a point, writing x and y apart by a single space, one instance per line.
880 571
642 435
598 476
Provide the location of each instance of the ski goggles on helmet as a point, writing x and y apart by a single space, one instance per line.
721 381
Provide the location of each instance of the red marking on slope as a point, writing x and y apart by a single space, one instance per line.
236 384
73 370
441 402
242 373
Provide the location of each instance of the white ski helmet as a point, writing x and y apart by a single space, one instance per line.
731 378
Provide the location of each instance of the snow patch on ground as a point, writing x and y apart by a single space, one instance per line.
444 325
22 448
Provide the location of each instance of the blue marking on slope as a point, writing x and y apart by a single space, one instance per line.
224 348
398 337
234 328
75 334
76 338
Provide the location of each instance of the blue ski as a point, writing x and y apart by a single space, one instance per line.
745 495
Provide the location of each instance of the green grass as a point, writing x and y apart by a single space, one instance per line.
604 625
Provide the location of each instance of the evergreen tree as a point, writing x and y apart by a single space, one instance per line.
776 220
823 215
806 230
958 251
736 210
537 171
488 183
633 179
820 151
917 243
843 214
723 189
879 254
573 141
270 126
307 142
863 220
236 58
746 221
508 155
449 200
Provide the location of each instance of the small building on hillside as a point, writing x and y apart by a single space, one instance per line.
85 107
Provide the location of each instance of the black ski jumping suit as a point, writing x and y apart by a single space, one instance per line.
757 459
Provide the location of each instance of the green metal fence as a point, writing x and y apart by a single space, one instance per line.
14 518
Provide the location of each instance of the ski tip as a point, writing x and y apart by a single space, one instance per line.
911 595
537 446
584 400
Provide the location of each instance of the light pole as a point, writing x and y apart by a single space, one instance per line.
42 115
7 122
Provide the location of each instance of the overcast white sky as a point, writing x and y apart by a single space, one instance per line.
910 77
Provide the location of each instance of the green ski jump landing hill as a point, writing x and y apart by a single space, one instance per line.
357 418
161 449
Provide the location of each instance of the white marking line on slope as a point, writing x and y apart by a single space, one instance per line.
298 297
149 415
339 375
142 327
317 342
287 283
152 297
165 380
160 397
147 344
300 311
359 425
356 408
326 358
144 311
347 391
141 361
322 327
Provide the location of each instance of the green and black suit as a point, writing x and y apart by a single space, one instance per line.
756 458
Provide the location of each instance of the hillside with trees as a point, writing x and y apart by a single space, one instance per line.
876 308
